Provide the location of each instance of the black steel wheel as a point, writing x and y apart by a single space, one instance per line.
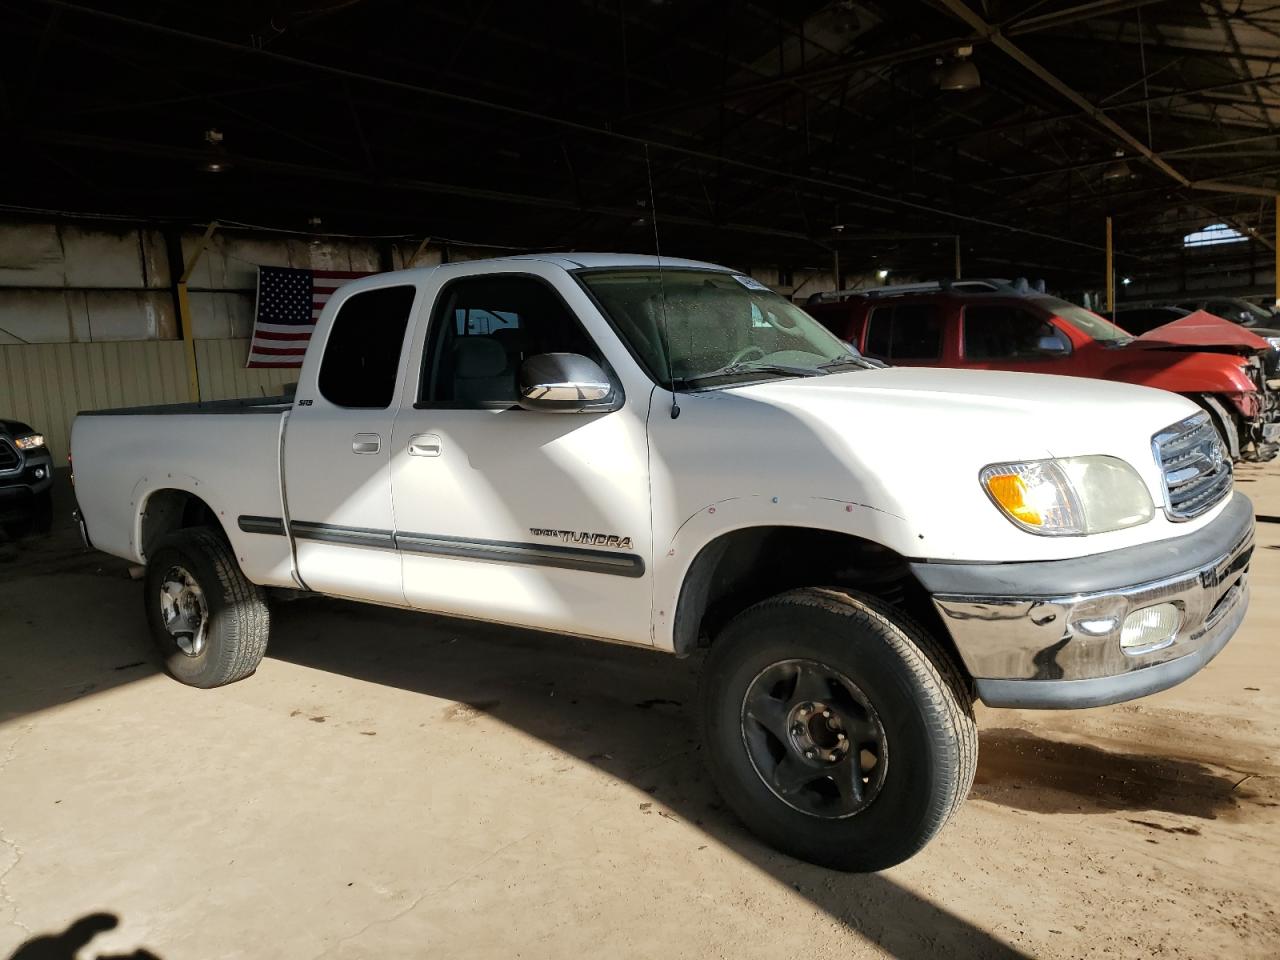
814 738
836 728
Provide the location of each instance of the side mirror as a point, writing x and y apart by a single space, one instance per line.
563 383
1055 346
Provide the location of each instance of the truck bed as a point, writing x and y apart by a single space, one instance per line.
224 453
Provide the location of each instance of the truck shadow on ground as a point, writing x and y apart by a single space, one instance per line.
1018 768
627 712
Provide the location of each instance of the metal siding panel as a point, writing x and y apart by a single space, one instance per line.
69 400
132 392
6 380
48 384
206 363
83 372
111 365
224 382
93 360
170 369
45 405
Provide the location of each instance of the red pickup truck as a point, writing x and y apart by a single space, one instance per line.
993 325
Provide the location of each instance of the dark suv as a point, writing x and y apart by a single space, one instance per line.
26 478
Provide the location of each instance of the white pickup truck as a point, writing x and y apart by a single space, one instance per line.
670 455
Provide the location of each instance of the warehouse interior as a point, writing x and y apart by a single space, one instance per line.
157 153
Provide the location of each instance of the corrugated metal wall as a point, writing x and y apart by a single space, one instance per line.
224 377
45 384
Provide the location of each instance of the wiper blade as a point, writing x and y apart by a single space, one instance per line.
747 368
862 362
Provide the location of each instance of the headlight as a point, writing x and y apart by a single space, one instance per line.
1069 497
1274 341
30 442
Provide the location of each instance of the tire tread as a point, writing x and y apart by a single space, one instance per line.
947 695
242 616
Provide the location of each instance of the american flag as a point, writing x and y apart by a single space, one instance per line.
289 303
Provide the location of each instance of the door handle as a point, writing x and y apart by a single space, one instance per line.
424 445
366 443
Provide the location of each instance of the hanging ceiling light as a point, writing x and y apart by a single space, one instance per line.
1118 169
959 73
215 153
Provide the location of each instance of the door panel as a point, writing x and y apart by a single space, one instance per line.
540 519
340 503
533 518
337 448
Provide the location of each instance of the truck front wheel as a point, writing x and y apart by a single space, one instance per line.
836 728
209 622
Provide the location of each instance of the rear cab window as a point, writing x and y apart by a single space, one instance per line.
362 353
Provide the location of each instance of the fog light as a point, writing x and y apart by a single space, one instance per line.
1150 628
39 473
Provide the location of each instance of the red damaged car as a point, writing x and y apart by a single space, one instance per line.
993 325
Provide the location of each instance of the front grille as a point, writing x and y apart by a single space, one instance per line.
1196 468
8 455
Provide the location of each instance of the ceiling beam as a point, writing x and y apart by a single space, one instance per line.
891 198
409 184
1006 46
858 62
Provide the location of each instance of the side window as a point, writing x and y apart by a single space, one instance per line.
917 332
363 350
483 328
1005 333
908 331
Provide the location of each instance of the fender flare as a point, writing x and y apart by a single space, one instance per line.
148 487
713 523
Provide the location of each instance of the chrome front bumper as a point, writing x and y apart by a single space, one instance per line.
1036 648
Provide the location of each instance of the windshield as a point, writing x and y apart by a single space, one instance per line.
721 327
1087 321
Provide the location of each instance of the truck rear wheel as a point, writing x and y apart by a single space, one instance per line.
836 728
208 621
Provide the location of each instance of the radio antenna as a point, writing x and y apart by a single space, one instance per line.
662 287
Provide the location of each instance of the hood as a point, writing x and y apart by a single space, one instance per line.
1204 332
1023 414
14 427
907 445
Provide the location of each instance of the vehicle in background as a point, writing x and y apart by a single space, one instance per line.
26 479
1143 319
668 454
991 325
1237 310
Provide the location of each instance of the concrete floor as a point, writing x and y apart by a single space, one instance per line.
396 785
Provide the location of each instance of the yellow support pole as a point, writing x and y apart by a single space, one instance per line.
184 313
1111 273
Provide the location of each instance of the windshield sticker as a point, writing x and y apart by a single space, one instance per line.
749 282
